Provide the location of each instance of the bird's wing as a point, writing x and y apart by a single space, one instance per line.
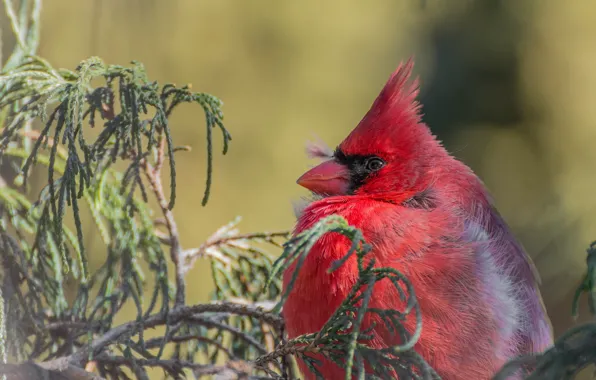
535 331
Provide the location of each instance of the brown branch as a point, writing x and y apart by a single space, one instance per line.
216 240
183 313
210 322
239 309
153 175
59 325
292 347
236 367
36 135
266 236
161 152
156 342
53 370
269 340
118 333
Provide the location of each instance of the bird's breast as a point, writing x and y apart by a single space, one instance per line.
451 284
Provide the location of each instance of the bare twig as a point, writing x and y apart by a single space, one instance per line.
236 369
265 236
183 313
18 29
292 347
157 342
246 338
54 370
226 307
217 240
153 175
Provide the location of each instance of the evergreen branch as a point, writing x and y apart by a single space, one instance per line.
77 169
174 316
122 133
342 339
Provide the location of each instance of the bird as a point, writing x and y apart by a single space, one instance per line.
427 215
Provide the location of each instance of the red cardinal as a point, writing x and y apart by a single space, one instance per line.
427 215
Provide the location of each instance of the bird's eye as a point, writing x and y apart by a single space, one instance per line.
374 163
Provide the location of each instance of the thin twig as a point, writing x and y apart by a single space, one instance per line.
153 175
246 310
216 240
18 30
292 347
54 370
183 313
210 322
156 342
172 365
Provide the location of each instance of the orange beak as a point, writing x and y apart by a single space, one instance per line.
328 178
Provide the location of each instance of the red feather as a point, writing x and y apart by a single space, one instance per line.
427 215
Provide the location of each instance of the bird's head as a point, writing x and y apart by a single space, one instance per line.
389 151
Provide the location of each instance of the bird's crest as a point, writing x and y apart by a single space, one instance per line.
399 93
394 114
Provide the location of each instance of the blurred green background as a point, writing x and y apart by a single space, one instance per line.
508 85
